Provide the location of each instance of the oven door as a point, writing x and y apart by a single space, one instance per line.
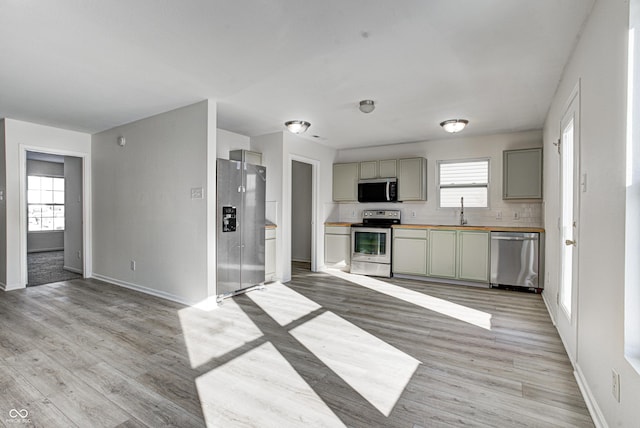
371 244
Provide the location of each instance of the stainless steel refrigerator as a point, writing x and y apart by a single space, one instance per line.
240 233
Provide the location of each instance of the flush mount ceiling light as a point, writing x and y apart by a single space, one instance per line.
454 125
367 106
297 126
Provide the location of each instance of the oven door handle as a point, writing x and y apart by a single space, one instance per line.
388 195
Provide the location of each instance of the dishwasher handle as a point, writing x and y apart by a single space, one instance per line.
514 238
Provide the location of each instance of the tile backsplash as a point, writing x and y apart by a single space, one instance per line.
501 214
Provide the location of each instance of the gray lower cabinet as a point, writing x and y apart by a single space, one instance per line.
522 174
442 253
473 255
270 254
410 251
337 245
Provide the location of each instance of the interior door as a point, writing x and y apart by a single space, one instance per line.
569 226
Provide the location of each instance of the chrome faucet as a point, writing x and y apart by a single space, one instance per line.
462 220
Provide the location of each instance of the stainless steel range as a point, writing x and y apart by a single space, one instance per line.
371 242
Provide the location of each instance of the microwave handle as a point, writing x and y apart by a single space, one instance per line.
388 186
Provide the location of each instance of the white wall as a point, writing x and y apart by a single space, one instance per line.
45 240
301 211
73 214
21 137
227 141
599 62
453 148
278 150
3 209
143 206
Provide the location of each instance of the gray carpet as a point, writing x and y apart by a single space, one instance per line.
47 267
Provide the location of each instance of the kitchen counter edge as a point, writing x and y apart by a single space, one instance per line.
453 227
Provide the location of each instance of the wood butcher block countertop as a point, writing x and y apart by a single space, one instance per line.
453 227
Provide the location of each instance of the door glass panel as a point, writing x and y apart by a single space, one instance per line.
566 288
370 243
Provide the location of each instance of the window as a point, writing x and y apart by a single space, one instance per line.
463 179
45 203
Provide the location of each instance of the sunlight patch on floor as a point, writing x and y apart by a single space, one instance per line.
261 389
373 368
211 334
444 307
282 303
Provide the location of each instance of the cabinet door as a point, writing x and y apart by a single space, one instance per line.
412 179
345 182
410 256
337 249
269 259
368 169
442 253
387 168
522 174
473 255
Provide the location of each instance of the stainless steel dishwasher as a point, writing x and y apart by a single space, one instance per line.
515 260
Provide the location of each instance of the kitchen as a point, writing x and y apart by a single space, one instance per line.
171 152
513 213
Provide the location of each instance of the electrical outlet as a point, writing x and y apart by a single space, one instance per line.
516 215
498 215
79 254
353 214
615 385
413 214
133 265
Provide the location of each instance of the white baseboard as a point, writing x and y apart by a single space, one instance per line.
72 269
11 287
589 399
546 303
145 290
594 410
45 250
295 259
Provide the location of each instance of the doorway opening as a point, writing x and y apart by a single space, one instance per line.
54 218
301 215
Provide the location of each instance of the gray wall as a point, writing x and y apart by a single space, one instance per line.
301 211
3 210
73 214
142 206
45 241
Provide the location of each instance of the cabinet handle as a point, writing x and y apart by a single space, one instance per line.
569 242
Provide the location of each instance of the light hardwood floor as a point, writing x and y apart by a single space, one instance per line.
326 349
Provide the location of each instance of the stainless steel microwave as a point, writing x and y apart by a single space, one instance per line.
378 190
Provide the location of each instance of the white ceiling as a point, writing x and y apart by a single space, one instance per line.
91 65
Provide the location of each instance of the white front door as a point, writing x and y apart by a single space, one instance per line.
569 216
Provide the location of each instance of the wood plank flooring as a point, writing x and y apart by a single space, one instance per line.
322 350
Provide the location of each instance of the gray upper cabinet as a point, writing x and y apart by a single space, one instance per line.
345 182
378 169
412 179
387 168
368 169
522 174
